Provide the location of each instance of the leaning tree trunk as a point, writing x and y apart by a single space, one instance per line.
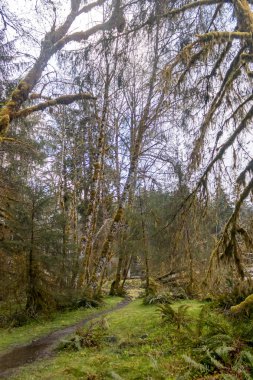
125 271
53 42
115 286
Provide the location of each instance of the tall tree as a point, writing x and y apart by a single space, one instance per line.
53 42
213 71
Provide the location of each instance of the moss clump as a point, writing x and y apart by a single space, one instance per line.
4 122
246 57
20 93
23 86
245 307
119 215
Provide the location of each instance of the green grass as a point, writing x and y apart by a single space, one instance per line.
142 350
36 329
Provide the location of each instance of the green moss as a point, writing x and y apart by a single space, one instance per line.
23 86
246 57
4 122
119 215
244 306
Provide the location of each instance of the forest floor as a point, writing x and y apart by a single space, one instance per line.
32 344
136 345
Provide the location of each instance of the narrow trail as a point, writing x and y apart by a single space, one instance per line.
44 347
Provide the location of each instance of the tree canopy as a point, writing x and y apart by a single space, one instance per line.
123 125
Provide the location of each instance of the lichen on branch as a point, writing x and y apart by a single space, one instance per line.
65 100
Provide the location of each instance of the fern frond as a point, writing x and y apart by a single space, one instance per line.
247 356
224 351
194 364
214 341
217 364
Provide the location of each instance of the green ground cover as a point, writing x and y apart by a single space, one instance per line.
183 341
36 329
138 346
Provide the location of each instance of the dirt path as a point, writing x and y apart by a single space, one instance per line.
43 347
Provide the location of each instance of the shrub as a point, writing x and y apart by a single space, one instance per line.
233 293
71 301
153 299
91 336
175 316
218 347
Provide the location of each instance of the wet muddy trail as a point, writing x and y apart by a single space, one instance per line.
43 347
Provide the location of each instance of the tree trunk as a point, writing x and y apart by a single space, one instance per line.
90 226
131 177
34 297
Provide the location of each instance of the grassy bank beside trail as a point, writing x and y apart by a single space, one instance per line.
25 334
137 346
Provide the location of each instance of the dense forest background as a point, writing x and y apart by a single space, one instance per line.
125 142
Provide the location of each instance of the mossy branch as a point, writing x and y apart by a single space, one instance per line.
226 145
248 169
232 73
244 306
66 99
221 37
52 43
192 5
228 244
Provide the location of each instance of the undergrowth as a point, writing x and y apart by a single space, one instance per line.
90 336
67 302
215 345
179 341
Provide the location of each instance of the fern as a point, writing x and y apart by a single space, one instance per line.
216 363
214 341
153 299
92 336
247 357
194 364
115 376
224 352
175 316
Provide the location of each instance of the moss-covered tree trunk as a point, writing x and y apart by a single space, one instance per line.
137 136
145 245
53 41
114 290
86 249
34 297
